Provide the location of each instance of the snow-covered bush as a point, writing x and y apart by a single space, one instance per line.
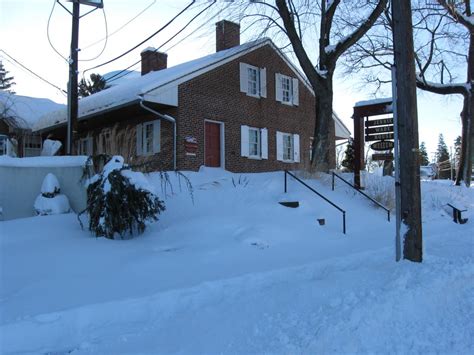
51 201
120 201
380 188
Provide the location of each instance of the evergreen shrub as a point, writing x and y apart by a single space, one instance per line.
120 202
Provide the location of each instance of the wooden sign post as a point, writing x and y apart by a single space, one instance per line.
379 131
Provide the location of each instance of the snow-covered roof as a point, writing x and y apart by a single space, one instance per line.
24 111
386 100
159 86
119 77
135 88
162 86
342 132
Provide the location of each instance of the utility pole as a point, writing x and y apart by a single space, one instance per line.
72 89
72 84
407 126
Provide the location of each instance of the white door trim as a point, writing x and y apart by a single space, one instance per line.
222 136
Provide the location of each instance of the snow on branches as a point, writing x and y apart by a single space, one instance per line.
120 201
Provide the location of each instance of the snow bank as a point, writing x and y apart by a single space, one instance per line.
235 272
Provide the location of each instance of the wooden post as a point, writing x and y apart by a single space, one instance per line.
407 130
358 149
72 84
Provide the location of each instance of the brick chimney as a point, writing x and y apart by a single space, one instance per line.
227 35
153 60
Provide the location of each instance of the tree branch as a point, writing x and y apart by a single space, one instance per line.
348 41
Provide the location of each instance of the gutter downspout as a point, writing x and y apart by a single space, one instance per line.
167 118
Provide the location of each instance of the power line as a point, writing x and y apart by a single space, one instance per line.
106 39
11 60
47 33
147 39
117 75
198 28
123 26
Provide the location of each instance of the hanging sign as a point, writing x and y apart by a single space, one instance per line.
379 122
382 145
378 137
379 129
378 156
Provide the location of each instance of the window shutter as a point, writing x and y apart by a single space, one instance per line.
156 136
244 141
264 142
89 147
263 82
244 84
139 139
296 148
295 92
278 89
279 136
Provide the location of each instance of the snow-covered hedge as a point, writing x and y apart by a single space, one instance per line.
120 201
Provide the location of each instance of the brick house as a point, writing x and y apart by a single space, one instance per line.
245 108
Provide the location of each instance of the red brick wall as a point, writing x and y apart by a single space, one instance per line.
124 139
216 96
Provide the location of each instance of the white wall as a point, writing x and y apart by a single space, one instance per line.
21 179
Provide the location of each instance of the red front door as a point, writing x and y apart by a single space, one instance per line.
213 144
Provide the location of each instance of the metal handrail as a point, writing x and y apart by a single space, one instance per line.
361 192
317 193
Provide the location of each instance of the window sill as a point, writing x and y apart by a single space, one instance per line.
252 95
287 103
255 157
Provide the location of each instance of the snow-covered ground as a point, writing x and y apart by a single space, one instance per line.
235 272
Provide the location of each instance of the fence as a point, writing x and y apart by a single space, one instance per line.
21 180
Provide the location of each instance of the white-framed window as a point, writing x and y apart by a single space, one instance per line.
254 142
253 80
3 145
286 89
84 146
31 145
148 138
104 144
8 146
288 147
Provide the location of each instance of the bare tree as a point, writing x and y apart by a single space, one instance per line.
341 25
444 43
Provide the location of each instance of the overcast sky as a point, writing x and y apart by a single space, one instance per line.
23 33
